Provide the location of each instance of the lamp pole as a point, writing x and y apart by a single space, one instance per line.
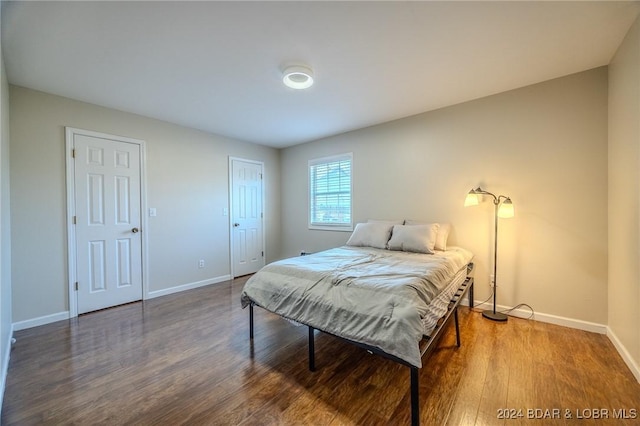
492 314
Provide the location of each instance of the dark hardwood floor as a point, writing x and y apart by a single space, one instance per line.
187 359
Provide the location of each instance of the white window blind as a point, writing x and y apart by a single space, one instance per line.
330 193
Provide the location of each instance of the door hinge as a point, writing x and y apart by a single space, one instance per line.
73 153
76 285
74 220
263 254
260 176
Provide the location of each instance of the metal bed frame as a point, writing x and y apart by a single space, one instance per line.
429 346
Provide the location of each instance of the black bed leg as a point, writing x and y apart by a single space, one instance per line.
415 398
455 316
471 301
312 354
250 320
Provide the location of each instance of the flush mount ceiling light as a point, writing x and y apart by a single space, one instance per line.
298 77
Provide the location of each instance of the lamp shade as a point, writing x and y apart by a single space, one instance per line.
506 210
472 199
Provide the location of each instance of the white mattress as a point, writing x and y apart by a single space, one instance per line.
438 306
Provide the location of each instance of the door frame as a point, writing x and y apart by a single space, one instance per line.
231 246
70 132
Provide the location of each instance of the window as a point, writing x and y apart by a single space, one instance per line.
330 193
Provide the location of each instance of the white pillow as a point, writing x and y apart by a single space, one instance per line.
415 238
375 234
443 233
388 222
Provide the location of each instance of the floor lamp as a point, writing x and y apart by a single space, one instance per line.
503 208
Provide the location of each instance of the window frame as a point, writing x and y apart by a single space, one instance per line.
345 227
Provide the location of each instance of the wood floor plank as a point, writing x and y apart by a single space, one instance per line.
464 410
494 392
187 358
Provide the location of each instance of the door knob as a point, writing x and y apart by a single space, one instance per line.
135 230
236 224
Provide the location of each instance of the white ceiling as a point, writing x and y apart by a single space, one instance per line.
216 66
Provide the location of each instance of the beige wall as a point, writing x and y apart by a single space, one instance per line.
187 182
543 145
5 229
624 195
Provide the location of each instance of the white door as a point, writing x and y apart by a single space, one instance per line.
107 208
246 217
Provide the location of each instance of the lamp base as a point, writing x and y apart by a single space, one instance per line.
495 316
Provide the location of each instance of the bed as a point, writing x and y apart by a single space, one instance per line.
391 296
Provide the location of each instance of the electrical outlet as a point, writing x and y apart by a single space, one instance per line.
492 280
201 263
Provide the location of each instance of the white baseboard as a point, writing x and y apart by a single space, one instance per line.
47 319
572 323
183 287
34 322
548 318
624 353
5 365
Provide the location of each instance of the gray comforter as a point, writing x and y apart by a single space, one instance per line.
372 296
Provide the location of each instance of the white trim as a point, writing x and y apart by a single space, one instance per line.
144 219
60 316
5 365
71 234
35 322
624 353
571 323
542 317
71 211
337 228
264 214
190 286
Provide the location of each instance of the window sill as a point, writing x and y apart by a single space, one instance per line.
345 228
